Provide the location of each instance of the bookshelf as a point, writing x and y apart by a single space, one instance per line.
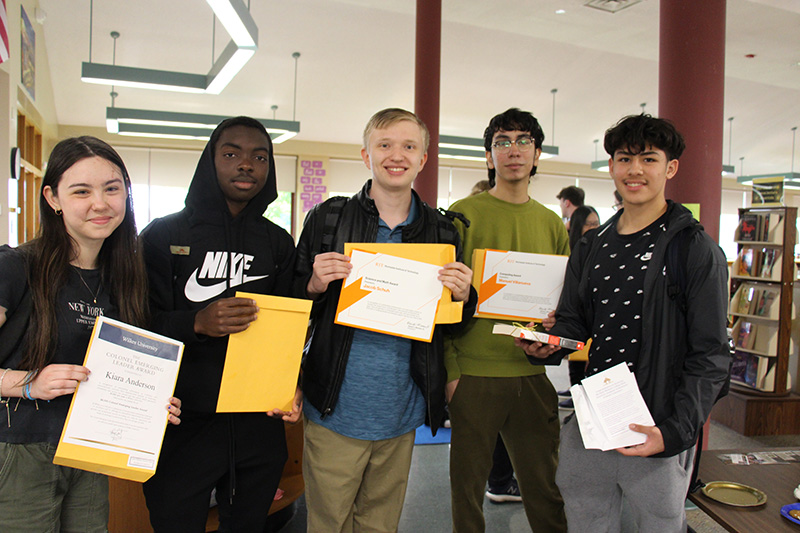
762 283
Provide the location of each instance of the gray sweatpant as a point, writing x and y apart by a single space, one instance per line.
593 483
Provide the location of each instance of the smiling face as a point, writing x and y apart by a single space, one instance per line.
241 158
395 155
92 197
641 177
513 165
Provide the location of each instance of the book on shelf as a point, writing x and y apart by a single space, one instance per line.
756 300
748 227
770 257
773 227
744 368
747 262
764 303
758 337
760 227
745 334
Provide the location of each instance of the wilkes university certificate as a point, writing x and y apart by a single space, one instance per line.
118 416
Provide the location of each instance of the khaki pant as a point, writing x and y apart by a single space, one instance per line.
524 411
37 496
354 485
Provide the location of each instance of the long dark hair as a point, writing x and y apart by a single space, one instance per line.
49 255
577 221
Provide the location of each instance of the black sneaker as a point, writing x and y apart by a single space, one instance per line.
567 404
508 494
564 394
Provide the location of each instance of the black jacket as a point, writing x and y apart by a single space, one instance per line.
685 358
187 256
329 346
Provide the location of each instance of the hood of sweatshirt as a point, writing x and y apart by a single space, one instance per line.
205 198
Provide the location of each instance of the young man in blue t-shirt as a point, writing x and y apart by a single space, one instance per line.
366 392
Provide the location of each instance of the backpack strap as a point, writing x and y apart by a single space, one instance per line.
446 230
677 256
331 223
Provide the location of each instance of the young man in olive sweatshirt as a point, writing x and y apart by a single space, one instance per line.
491 387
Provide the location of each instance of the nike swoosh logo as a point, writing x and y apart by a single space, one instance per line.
200 293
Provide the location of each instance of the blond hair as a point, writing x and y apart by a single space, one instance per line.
386 117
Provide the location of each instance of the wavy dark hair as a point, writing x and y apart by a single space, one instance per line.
577 221
48 256
636 132
510 120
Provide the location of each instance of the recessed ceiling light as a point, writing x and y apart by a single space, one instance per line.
560 11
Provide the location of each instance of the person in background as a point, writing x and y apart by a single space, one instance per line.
196 260
618 291
583 219
570 198
366 392
491 388
85 262
479 187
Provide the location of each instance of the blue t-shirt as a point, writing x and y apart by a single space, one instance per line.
378 399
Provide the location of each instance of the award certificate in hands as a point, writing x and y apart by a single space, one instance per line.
117 418
605 404
517 285
390 295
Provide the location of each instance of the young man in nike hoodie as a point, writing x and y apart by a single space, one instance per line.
196 260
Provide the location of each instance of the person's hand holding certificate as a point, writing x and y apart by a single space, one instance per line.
390 295
517 285
117 418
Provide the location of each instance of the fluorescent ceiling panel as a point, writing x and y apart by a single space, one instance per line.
236 20
174 125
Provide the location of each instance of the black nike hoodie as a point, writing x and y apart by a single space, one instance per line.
188 254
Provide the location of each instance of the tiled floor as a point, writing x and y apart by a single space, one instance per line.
427 505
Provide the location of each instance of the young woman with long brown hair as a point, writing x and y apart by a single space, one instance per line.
85 262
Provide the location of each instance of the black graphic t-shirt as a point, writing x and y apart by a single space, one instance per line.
617 281
76 312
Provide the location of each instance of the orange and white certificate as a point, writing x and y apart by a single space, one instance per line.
391 295
517 285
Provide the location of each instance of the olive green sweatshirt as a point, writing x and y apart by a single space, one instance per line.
499 225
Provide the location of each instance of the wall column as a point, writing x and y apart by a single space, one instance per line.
691 87
427 80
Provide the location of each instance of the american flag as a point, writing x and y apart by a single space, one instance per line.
3 32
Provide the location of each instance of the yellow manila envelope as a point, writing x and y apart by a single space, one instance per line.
263 362
517 285
117 418
449 312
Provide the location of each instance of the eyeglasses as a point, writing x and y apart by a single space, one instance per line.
524 144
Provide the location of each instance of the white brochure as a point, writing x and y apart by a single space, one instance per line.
605 404
390 295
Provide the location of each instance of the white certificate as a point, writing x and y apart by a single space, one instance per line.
605 404
122 406
517 285
390 295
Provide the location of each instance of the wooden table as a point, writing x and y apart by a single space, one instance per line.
776 481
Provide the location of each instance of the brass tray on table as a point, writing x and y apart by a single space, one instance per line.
735 494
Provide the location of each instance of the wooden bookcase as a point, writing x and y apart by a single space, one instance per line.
762 282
